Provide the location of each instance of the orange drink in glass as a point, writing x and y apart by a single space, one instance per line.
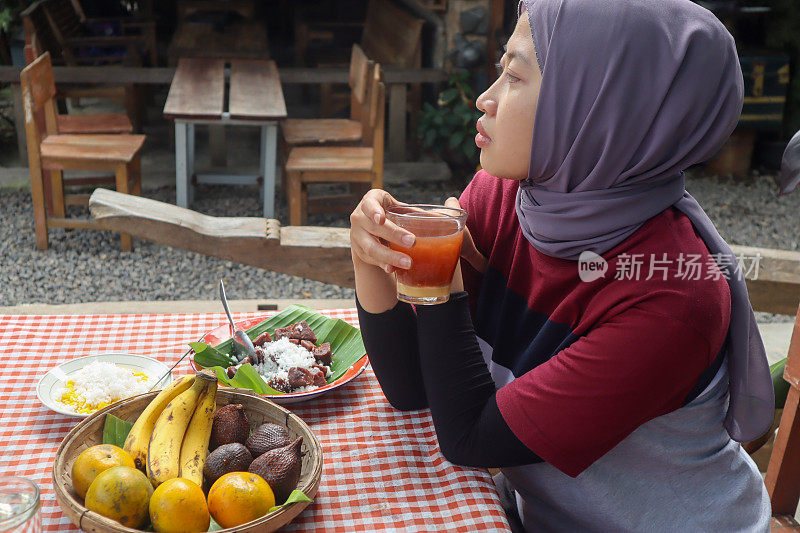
438 231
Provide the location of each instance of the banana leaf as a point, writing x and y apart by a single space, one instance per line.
115 430
346 343
246 377
780 385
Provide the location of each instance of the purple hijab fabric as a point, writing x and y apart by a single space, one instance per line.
633 92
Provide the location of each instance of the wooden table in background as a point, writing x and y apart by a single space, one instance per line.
197 96
219 30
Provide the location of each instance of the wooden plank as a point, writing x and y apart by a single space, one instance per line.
321 254
240 40
169 224
398 97
163 75
105 148
255 91
774 296
783 473
197 90
19 123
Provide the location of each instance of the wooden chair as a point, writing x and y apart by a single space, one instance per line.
70 25
87 122
50 152
41 36
339 164
316 131
783 471
391 36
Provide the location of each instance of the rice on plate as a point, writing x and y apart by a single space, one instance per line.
98 385
281 363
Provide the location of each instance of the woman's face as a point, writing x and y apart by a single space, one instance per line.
509 106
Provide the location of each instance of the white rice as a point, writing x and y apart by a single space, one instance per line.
280 356
99 384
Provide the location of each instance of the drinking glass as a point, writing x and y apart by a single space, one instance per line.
438 231
19 505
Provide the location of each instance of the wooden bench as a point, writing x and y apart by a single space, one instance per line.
392 36
163 76
43 34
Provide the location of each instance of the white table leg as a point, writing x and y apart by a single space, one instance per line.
269 146
181 164
190 159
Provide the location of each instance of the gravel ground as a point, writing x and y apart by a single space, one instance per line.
87 266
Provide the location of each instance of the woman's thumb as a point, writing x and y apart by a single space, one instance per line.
469 251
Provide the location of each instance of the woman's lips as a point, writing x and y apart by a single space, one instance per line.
481 139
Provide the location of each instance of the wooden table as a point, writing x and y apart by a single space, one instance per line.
254 98
224 30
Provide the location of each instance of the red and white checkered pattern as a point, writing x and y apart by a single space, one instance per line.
383 469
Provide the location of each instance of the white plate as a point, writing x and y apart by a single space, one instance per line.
51 383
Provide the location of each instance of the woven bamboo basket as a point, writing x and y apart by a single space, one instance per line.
259 410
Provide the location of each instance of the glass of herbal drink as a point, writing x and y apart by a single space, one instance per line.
438 231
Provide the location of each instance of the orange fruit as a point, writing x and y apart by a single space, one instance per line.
239 497
179 506
94 460
121 493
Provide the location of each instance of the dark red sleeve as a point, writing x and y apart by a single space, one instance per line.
582 402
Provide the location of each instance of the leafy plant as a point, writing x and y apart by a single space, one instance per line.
449 128
9 13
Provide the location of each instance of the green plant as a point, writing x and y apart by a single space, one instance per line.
9 13
449 128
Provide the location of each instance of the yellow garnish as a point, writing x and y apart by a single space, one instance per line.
78 402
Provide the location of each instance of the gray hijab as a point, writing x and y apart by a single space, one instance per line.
633 92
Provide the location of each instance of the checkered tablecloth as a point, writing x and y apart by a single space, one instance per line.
383 469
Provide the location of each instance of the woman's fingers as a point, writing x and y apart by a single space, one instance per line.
469 251
373 206
471 254
370 232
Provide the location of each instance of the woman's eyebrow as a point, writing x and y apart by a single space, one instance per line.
513 54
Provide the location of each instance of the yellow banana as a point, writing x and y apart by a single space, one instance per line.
138 439
163 453
194 449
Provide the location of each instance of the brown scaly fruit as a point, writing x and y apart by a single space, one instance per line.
280 468
230 425
227 458
267 437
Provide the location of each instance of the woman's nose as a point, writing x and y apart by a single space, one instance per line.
487 104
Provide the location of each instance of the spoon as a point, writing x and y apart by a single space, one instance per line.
242 345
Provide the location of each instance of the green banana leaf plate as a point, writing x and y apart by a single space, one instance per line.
349 354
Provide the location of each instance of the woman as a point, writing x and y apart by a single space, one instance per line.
612 399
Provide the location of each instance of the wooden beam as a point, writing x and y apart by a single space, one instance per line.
163 75
774 286
321 254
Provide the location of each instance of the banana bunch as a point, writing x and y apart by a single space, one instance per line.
170 438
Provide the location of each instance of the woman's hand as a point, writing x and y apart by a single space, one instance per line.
373 261
469 253
370 232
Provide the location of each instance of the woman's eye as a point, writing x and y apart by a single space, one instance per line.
511 78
